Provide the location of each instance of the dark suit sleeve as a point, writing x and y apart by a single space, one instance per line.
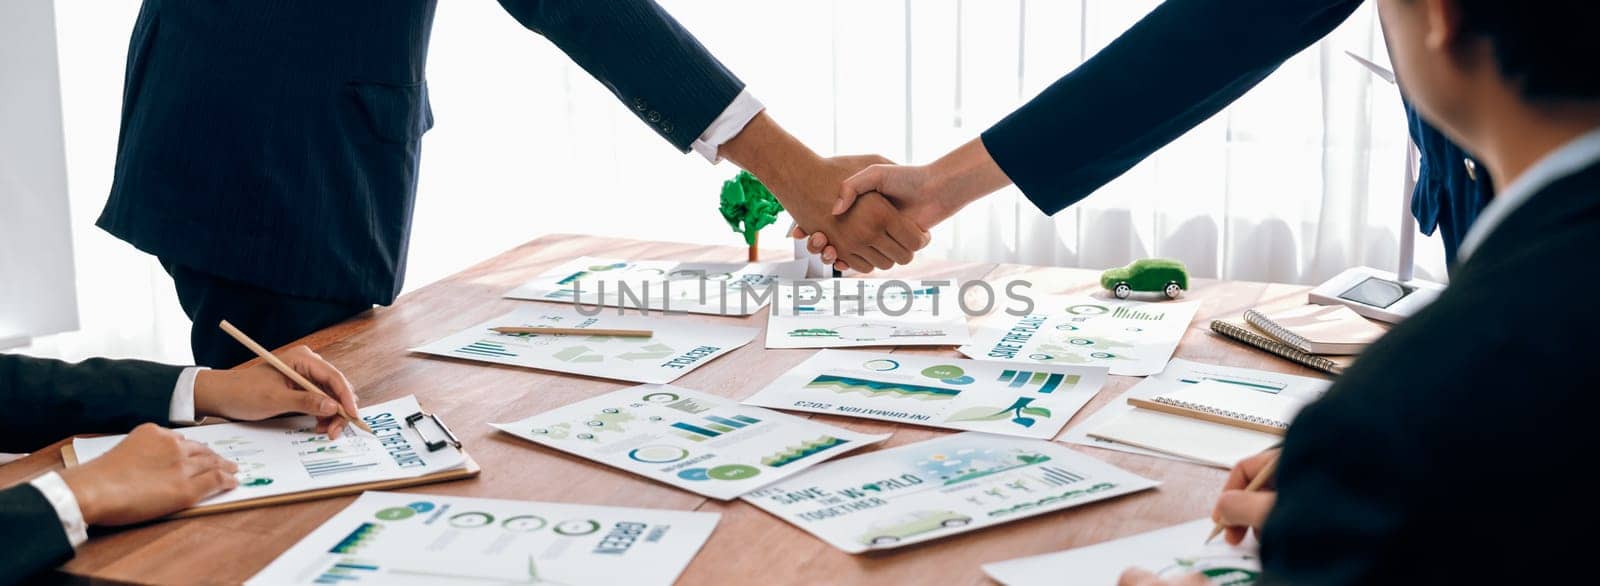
46 400
31 532
1175 68
642 55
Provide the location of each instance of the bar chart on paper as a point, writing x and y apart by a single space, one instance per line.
322 457
712 426
1046 382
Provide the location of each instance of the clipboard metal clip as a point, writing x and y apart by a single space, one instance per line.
449 437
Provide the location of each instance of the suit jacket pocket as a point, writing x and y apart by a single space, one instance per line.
396 113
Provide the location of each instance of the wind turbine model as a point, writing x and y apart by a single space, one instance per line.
1379 294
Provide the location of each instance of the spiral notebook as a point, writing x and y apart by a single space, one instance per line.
1318 329
1228 405
1247 334
1210 422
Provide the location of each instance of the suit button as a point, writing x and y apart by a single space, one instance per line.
654 116
638 104
666 127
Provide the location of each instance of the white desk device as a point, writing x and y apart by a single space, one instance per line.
1378 294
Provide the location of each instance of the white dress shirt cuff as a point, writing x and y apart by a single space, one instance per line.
181 410
739 113
65 503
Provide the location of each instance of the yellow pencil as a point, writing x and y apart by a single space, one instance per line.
574 331
289 372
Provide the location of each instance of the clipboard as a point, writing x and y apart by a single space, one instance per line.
469 469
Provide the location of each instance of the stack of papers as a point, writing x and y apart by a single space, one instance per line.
840 313
1132 338
938 392
694 287
677 347
940 487
692 440
1169 553
287 456
425 539
1123 427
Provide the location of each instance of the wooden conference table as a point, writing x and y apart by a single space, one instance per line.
749 546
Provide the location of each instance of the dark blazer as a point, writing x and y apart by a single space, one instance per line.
1473 474
46 400
1178 66
276 143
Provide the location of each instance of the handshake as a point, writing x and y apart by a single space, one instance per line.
862 212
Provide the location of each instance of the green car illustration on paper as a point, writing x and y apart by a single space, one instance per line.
896 529
1162 275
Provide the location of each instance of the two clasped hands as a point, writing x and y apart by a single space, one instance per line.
863 212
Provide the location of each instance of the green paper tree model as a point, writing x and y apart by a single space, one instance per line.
748 206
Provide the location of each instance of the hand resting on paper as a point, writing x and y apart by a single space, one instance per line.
155 471
260 392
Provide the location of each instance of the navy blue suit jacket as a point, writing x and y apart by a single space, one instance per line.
1178 66
276 143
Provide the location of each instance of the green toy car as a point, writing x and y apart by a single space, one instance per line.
1162 275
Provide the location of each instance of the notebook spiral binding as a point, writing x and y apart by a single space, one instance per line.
1222 412
1279 348
1272 328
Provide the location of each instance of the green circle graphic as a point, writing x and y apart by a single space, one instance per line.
577 527
471 520
523 523
733 472
943 371
396 513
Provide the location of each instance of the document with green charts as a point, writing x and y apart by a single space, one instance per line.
1132 338
840 313
719 288
1170 553
696 441
287 455
953 393
940 487
679 344
424 539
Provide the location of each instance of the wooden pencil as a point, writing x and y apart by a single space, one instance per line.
574 331
1255 485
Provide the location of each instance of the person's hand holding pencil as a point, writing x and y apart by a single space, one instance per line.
1247 497
265 390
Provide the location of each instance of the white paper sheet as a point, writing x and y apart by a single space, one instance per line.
677 347
940 487
1170 553
1179 373
284 456
692 440
425 539
840 313
1132 338
696 287
939 392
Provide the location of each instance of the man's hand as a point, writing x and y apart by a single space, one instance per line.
153 472
1142 577
927 194
260 391
1240 511
872 234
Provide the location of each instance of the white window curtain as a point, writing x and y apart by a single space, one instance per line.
1298 180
